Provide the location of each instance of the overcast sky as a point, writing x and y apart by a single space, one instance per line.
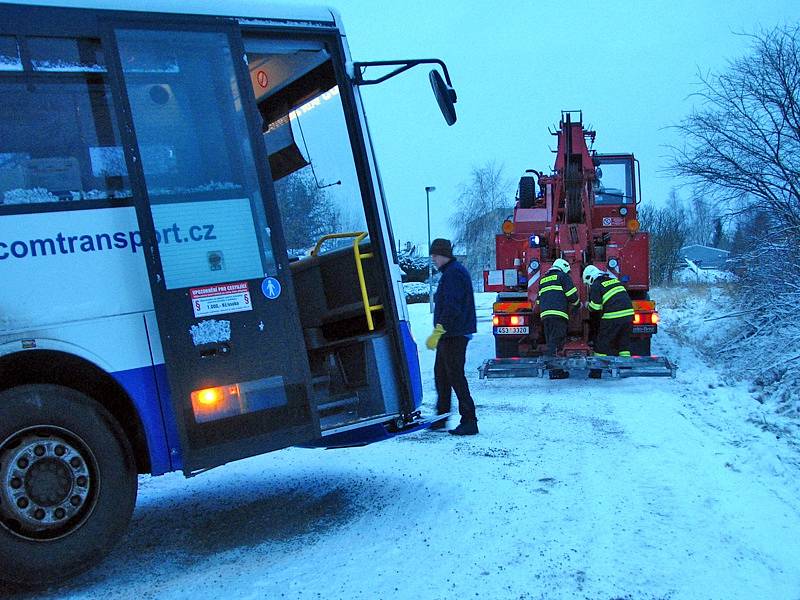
630 66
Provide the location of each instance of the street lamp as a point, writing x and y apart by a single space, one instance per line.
428 190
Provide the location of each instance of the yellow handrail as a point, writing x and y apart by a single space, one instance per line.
358 237
337 236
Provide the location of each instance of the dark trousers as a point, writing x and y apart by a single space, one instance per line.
614 337
555 333
448 371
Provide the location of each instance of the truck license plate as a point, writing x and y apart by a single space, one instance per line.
510 330
646 329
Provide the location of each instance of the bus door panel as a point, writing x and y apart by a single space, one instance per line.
325 184
232 343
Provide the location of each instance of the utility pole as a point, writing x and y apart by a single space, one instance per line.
428 190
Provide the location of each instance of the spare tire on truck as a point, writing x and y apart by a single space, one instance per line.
67 483
526 192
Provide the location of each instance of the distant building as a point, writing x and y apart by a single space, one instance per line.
704 264
705 257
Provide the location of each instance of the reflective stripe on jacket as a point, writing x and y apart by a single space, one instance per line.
556 290
609 296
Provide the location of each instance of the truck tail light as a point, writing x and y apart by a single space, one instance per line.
510 320
646 318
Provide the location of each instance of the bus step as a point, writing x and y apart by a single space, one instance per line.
339 405
320 382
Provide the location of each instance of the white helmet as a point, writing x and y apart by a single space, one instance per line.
591 273
561 265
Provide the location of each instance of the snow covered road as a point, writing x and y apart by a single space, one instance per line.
574 489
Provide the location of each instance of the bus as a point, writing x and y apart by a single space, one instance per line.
196 257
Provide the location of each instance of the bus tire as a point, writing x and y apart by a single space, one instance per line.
67 483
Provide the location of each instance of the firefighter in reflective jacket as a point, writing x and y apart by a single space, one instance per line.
611 311
556 291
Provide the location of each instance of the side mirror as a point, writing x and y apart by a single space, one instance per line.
444 92
445 97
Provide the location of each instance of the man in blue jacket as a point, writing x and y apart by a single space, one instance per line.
455 322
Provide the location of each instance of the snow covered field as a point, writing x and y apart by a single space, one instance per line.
574 489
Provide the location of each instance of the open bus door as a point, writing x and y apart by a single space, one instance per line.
236 363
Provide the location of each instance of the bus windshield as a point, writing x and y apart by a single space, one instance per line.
307 140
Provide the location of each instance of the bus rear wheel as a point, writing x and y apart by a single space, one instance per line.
67 483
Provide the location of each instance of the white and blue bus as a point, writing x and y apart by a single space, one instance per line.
196 259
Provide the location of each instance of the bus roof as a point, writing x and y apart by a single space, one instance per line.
241 9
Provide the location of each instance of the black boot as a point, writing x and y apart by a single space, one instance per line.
595 373
558 374
466 428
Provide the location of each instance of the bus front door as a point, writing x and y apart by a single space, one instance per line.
233 347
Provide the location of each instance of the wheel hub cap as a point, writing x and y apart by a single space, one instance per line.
48 482
45 483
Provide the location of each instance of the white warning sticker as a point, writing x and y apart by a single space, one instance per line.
220 299
495 278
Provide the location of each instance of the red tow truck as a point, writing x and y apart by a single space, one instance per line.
585 212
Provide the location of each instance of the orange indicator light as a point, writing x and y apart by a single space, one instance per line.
208 397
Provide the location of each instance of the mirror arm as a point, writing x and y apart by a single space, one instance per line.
404 65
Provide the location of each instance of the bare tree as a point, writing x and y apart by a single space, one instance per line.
742 147
743 144
307 211
668 231
719 239
480 208
702 216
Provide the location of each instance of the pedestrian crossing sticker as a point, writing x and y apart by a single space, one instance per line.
271 288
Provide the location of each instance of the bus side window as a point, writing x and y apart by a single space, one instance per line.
9 54
59 138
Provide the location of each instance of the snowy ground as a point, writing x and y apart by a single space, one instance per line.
574 489
708 318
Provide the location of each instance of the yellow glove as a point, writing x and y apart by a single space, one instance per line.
433 338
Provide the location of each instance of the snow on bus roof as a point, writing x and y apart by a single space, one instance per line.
257 10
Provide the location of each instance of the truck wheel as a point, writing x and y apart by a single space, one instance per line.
640 346
527 192
67 483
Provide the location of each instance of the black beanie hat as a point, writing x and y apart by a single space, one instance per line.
442 247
